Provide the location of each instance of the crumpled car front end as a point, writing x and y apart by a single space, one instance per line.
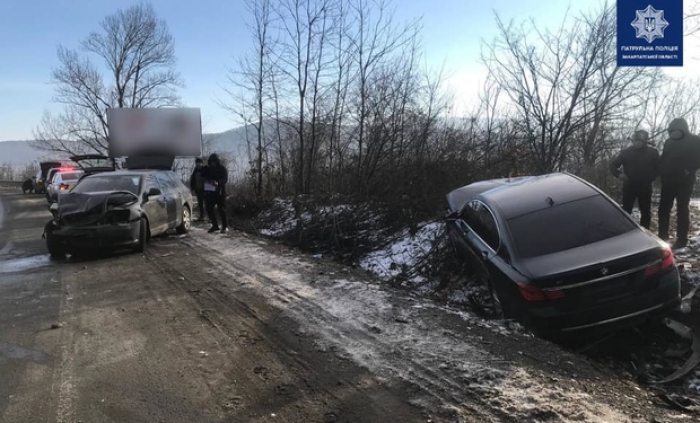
96 220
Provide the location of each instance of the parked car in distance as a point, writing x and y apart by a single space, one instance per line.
559 255
63 180
41 175
122 208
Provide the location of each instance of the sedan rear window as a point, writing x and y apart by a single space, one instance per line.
566 226
69 176
109 183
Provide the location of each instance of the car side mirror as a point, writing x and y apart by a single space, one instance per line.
53 208
451 215
153 192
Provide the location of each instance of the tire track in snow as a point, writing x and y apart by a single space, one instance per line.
354 339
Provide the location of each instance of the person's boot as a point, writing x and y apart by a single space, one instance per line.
224 230
213 229
680 243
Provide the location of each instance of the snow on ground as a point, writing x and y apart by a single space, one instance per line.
284 221
403 252
282 216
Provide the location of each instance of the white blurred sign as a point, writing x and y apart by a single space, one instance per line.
173 132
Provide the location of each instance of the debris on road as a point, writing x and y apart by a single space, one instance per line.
694 359
687 300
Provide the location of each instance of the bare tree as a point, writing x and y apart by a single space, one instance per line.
251 81
691 17
375 38
565 85
138 52
612 92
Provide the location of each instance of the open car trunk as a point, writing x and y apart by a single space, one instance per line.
46 166
94 163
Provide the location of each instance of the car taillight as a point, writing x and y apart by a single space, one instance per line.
533 293
667 261
63 186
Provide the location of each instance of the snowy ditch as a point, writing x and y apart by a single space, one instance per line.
402 257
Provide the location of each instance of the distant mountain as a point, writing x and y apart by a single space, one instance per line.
22 153
231 144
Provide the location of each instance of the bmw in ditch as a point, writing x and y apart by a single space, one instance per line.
112 209
558 254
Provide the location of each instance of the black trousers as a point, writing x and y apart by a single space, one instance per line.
681 193
212 200
640 193
200 202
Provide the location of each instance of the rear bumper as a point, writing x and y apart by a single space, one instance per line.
610 315
97 237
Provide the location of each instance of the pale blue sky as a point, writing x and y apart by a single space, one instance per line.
209 33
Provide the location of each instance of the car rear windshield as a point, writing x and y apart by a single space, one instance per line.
109 183
566 226
70 176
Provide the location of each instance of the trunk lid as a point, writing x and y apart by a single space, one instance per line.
94 163
46 166
601 271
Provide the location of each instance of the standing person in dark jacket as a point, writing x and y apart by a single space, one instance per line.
640 164
679 161
197 185
215 179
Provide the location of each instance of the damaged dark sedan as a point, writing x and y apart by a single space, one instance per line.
559 255
118 209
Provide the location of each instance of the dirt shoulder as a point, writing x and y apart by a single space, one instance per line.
448 363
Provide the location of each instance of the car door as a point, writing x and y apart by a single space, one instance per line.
170 191
485 241
155 207
55 185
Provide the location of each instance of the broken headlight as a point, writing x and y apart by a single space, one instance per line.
116 217
120 199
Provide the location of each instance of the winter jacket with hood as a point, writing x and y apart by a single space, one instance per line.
197 178
216 172
640 165
681 157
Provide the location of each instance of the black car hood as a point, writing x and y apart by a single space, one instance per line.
629 244
86 208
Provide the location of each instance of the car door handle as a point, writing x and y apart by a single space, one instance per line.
485 255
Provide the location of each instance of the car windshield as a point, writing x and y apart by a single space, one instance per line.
566 226
109 183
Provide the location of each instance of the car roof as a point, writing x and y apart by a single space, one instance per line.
535 193
459 197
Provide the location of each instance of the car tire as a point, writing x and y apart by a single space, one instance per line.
143 236
186 220
501 309
54 248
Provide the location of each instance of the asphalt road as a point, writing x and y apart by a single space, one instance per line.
130 338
